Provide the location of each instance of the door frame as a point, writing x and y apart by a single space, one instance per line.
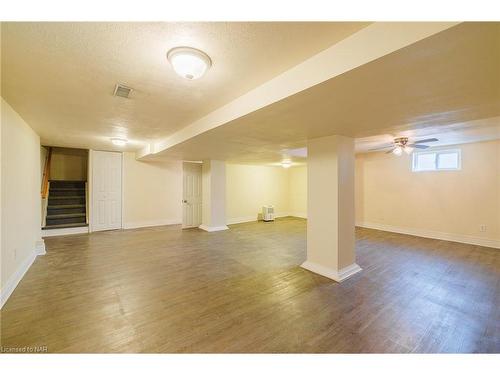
90 187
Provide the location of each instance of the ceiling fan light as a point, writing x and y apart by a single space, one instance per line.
408 150
189 63
397 151
286 163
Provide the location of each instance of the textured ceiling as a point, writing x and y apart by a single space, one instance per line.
441 85
60 76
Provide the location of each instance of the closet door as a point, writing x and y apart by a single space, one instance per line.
106 190
191 195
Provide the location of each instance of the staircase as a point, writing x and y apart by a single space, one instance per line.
66 206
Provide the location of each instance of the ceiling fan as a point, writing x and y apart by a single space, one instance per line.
401 144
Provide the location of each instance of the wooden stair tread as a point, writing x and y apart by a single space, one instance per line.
61 226
66 189
65 216
63 181
59 206
66 204
66 196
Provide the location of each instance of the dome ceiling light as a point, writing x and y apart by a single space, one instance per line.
189 63
119 141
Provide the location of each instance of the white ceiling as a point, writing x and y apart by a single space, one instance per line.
455 134
447 85
60 76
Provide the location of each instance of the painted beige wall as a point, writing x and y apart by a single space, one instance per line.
249 187
152 192
450 202
68 164
20 193
297 191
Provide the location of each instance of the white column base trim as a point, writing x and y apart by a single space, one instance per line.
213 229
64 231
331 273
471 240
17 276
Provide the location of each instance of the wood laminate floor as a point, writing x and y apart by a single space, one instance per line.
166 290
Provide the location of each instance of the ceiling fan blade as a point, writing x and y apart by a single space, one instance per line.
391 150
426 140
419 146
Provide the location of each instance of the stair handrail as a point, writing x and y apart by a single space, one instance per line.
46 174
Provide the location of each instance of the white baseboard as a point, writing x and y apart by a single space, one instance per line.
15 278
40 247
64 231
213 229
242 219
302 215
487 242
247 219
151 223
331 273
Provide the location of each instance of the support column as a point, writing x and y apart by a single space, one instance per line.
214 196
330 208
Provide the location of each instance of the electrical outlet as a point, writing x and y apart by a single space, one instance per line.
482 228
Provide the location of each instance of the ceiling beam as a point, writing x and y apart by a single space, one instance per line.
370 43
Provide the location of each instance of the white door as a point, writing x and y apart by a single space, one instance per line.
106 190
191 195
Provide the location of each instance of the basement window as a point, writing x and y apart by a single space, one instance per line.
443 160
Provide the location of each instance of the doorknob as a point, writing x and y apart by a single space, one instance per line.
184 201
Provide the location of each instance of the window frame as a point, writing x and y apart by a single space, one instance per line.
436 160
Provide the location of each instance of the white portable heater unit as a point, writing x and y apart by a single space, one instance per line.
268 213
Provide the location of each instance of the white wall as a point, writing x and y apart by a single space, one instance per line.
152 192
297 203
449 205
445 204
249 187
20 198
68 164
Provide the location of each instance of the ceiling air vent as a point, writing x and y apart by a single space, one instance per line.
122 91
